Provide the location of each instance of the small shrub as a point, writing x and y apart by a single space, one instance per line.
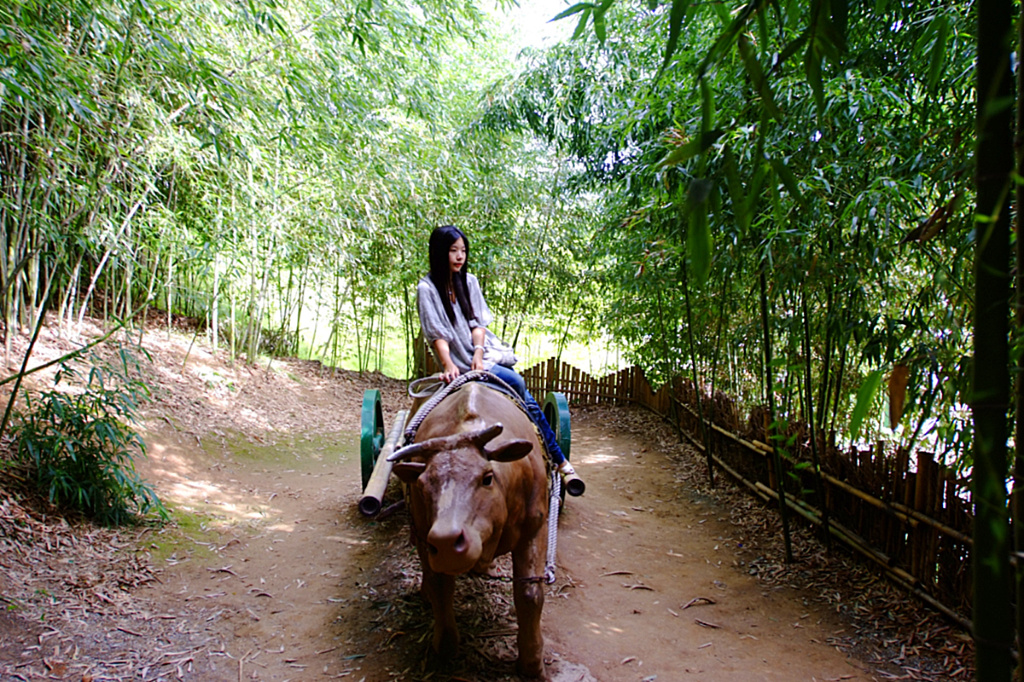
278 343
80 446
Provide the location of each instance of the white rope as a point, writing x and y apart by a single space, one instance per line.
553 509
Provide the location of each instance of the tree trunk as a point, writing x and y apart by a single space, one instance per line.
696 379
670 371
826 370
336 316
300 299
993 622
717 350
809 418
770 393
1017 499
843 352
215 304
169 288
67 306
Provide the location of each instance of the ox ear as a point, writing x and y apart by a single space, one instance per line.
409 471
509 451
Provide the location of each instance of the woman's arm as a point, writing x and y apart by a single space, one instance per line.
479 323
450 371
435 327
479 335
443 352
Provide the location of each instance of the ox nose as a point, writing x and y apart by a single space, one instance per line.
450 542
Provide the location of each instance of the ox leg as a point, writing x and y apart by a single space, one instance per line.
439 589
528 595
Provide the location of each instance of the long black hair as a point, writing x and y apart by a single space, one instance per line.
441 240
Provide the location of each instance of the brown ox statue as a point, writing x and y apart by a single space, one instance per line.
477 489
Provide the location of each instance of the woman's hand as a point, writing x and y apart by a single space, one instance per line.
450 373
478 358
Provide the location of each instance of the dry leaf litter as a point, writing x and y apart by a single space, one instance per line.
895 634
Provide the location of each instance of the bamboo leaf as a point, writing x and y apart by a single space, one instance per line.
675 25
581 26
599 25
793 47
755 191
698 242
707 108
6 81
898 379
735 187
698 191
575 9
840 18
756 73
828 41
84 112
729 35
865 396
698 238
694 146
812 67
937 57
789 180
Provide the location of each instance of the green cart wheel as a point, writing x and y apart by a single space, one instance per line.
372 439
556 411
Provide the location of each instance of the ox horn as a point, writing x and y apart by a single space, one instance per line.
506 452
426 448
479 438
484 436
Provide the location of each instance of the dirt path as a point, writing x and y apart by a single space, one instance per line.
294 584
270 573
640 547
290 582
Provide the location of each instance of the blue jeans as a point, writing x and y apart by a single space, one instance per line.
512 378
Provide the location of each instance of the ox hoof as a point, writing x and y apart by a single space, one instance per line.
533 670
446 644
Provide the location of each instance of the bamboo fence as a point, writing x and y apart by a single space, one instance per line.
905 512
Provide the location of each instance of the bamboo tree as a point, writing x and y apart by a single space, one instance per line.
673 411
771 426
717 350
696 379
809 407
993 625
1017 496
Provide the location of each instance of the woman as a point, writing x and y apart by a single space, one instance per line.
454 318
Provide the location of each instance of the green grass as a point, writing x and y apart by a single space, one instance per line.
306 453
188 535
